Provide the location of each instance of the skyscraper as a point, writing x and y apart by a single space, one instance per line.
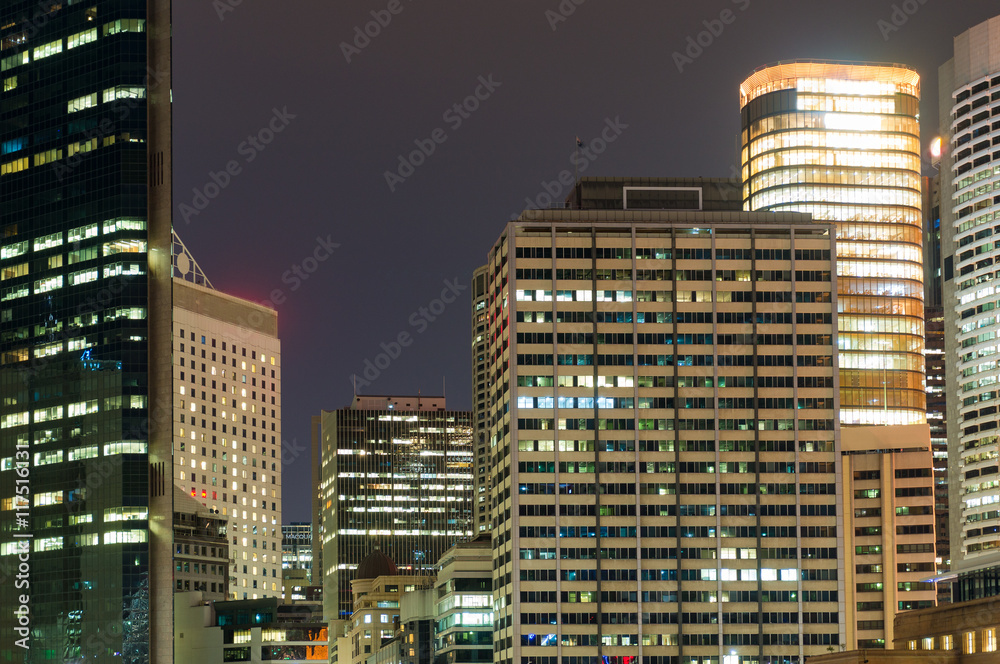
934 352
841 141
396 476
85 308
970 212
227 420
663 430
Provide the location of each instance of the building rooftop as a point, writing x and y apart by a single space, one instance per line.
374 565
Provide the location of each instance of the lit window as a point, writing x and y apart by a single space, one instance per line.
969 643
81 38
81 103
45 50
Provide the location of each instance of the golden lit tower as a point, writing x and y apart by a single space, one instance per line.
841 141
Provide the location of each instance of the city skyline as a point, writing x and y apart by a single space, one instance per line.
342 213
350 126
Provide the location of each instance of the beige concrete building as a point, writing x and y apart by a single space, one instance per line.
964 633
888 527
666 482
227 425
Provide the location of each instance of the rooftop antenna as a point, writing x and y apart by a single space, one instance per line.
443 390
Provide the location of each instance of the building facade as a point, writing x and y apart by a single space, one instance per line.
970 209
296 547
934 352
889 529
463 609
481 458
256 630
664 437
376 590
201 549
227 425
841 141
397 474
963 633
85 453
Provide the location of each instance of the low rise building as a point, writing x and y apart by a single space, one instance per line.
377 588
201 548
258 630
463 611
964 633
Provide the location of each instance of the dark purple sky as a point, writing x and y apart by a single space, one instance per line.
323 174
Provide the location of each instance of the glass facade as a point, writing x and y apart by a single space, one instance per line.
296 546
664 439
81 214
399 480
842 142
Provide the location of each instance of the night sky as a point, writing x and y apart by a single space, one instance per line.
544 72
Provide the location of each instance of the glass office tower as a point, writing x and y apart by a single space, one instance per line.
397 475
841 141
85 490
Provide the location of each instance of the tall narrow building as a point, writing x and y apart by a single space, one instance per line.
970 212
663 427
86 502
934 352
227 421
841 141
397 476
480 381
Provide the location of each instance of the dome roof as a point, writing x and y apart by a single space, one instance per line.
376 564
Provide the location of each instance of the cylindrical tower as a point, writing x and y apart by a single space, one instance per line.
841 141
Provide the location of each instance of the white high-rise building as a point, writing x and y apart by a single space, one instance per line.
970 223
